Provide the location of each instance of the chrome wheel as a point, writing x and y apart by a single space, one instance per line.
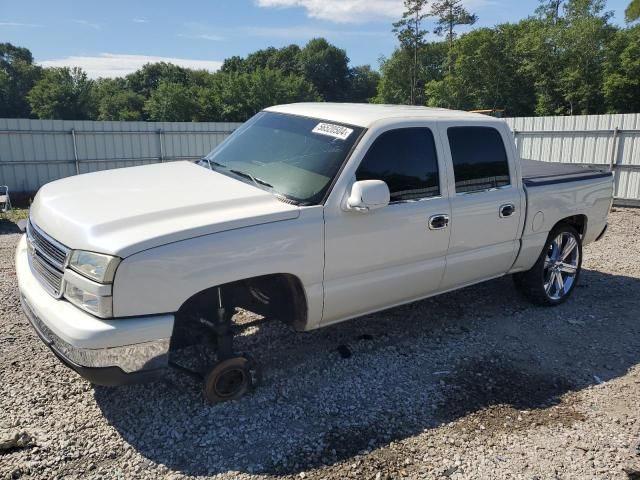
561 265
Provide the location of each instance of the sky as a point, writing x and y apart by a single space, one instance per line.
115 37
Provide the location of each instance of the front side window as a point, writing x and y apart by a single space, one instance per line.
407 161
479 159
291 156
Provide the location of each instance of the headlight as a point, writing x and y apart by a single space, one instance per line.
98 305
96 266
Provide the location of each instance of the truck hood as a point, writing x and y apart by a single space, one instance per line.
124 211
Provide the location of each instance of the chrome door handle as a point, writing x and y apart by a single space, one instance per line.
438 222
507 210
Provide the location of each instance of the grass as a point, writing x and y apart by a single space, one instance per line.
15 214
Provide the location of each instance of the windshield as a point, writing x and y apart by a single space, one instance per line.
296 157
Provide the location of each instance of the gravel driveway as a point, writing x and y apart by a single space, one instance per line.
473 384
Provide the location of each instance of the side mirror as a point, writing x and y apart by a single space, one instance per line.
369 195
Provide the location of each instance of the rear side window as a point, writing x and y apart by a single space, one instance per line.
479 158
407 161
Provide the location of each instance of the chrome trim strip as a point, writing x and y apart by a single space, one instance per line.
48 259
55 243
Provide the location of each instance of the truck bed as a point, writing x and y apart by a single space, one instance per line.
536 173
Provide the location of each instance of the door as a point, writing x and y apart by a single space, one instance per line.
485 204
397 254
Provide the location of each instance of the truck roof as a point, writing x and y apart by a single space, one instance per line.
365 114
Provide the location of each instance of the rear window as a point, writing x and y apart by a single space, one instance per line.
479 159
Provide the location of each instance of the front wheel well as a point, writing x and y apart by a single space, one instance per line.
280 296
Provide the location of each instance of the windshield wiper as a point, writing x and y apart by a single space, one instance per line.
255 180
211 162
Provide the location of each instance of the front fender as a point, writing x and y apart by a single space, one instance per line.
161 279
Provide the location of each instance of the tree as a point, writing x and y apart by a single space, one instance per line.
395 83
633 11
485 75
411 36
451 14
18 75
117 102
232 64
621 85
327 68
235 97
64 94
550 10
286 60
364 84
151 75
582 40
171 102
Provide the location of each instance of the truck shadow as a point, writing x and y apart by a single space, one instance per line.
481 357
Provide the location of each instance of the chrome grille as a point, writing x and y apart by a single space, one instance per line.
48 258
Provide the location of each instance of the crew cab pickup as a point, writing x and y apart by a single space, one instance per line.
308 213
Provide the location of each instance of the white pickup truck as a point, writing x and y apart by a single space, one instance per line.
309 213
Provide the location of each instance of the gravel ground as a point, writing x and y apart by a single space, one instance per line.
473 384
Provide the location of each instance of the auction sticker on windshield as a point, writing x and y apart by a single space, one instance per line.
335 131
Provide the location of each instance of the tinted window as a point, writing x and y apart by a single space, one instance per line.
479 158
406 160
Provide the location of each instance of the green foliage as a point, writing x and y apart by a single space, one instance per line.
327 68
567 59
395 82
411 36
485 74
364 84
451 14
583 36
151 75
236 96
14 215
171 102
63 94
117 102
622 72
18 74
409 28
633 11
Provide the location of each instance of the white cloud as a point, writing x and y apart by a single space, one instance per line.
117 65
19 24
87 23
342 11
351 11
203 36
140 20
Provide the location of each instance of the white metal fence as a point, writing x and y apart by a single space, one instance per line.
609 141
34 152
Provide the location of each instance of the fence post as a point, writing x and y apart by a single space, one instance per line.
75 150
160 137
614 149
516 139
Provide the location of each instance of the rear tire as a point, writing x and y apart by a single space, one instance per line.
556 272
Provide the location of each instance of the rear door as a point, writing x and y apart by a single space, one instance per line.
486 203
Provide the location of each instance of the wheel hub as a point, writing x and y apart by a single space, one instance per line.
561 266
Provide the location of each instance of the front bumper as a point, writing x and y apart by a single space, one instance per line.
105 352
